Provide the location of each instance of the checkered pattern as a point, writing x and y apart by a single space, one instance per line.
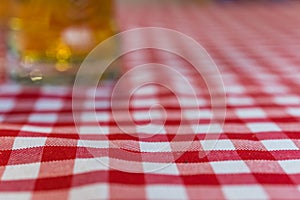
42 155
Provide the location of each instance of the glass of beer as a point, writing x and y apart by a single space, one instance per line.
48 39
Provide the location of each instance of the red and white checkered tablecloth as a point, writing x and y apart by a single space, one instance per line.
256 47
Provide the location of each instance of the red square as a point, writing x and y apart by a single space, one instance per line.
51 153
280 179
4 157
53 183
126 178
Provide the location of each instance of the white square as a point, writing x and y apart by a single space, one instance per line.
29 142
180 87
257 127
38 129
100 104
95 117
15 195
6 104
10 88
275 89
195 114
240 101
205 114
166 192
147 75
48 104
146 115
244 192
89 165
55 90
93 130
161 168
290 166
93 143
43 117
20 172
250 113
217 145
294 111
191 102
141 115
230 167
155 147
146 90
102 91
103 116
95 191
144 102
235 89
207 128
151 129
273 145
284 100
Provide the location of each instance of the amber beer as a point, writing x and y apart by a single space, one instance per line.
48 39
3 13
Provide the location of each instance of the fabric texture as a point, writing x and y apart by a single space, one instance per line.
255 46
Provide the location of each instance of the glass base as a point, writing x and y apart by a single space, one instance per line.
56 73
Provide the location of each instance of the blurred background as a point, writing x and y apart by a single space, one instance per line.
126 14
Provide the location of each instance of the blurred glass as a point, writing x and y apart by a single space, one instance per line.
48 39
3 12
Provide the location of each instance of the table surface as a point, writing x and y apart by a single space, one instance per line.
256 48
